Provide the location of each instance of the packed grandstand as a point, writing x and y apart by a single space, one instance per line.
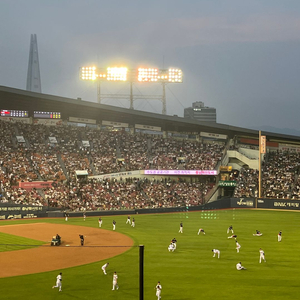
55 153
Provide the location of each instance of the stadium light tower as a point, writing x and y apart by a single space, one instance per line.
140 75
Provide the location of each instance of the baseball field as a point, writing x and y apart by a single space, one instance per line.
29 265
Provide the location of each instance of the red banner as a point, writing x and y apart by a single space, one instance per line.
36 184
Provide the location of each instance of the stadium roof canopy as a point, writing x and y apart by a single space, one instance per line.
11 98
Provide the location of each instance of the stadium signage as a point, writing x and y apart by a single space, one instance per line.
286 204
18 216
146 127
225 168
15 119
242 202
180 172
287 147
82 120
21 211
47 122
115 124
36 184
121 174
21 208
213 135
278 204
227 183
263 144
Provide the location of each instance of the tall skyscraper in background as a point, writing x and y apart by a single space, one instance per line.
33 74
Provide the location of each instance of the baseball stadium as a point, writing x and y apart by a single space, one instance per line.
85 184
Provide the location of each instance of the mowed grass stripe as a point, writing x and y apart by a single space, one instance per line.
190 273
10 242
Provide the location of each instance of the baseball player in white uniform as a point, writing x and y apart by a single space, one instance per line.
128 221
238 246
216 251
115 281
104 268
133 222
201 230
279 236
258 233
114 224
261 255
171 247
239 266
58 282
180 228
158 290
230 228
100 222
234 236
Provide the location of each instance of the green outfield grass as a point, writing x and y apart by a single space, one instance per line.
190 272
9 242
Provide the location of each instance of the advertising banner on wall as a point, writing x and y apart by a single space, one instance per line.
225 183
82 120
147 127
263 144
278 204
115 124
15 119
21 212
180 172
48 122
37 184
242 202
213 135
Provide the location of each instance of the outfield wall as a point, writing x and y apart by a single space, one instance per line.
13 211
278 204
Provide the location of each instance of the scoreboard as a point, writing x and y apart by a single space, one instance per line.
46 115
14 113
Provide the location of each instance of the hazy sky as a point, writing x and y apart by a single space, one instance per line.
241 57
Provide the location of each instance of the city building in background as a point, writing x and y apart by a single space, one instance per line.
200 112
33 73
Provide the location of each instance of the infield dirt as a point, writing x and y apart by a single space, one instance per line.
68 254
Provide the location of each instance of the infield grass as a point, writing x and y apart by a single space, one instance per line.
9 242
190 272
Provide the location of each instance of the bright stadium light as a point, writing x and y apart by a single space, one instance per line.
147 75
122 74
117 74
88 73
175 75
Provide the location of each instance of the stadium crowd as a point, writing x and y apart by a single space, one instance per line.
132 193
280 177
38 157
56 152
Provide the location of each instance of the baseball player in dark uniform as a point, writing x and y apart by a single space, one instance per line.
81 239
